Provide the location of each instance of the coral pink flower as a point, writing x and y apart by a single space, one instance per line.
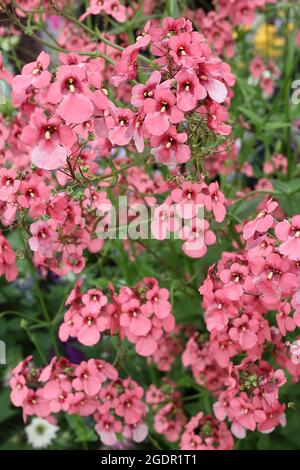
130 407
208 73
263 222
267 84
87 378
161 110
59 398
222 407
189 199
146 346
118 124
70 91
133 318
141 92
289 234
110 7
4 133
244 331
215 201
198 237
34 74
35 404
9 184
206 433
90 325
19 390
49 140
158 302
235 280
142 40
189 90
126 68
44 238
107 427
218 313
169 421
286 322
184 49
244 418
216 117
69 327
274 276
94 300
34 194
257 67
83 405
164 221
8 265
169 147
243 13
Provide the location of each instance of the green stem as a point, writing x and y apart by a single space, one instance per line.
289 67
100 37
88 18
22 315
55 47
154 442
43 307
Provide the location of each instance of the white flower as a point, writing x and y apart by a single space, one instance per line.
140 433
40 433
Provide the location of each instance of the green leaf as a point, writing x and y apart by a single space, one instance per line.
280 186
172 8
290 204
246 208
294 186
287 188
252 116
82 432
271 126
5 406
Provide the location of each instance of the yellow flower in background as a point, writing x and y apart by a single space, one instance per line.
267 41
242 28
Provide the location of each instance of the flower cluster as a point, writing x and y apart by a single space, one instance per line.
92 388
112 8
63 226
23 8
206 433
217 30
238 294
182 213
98 118
166 404
277 164
251 399
168 348
71 103
205 369
240 12
264 75
142 314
